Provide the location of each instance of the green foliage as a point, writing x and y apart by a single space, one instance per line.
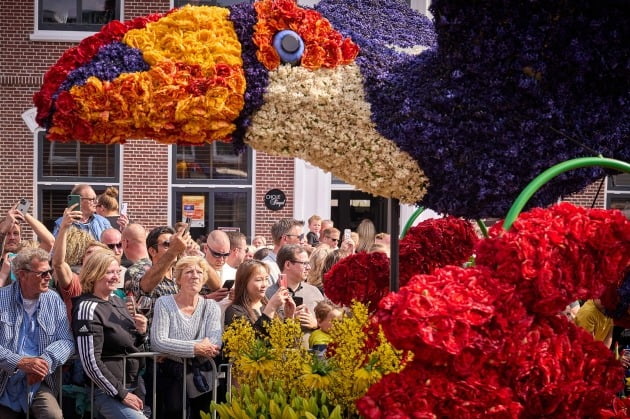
270 400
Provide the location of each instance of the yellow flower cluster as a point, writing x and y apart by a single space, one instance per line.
191 35
280 357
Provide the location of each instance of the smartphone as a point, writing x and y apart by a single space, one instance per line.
298 300
123 208
282 280
228 284
23 205
188 221
74 199
346 234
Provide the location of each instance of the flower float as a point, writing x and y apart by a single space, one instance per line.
433 243
455 116
488 340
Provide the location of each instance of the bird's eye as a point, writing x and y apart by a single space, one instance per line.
289 45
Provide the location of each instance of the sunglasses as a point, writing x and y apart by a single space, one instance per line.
165 245
42 274
115 245
217 254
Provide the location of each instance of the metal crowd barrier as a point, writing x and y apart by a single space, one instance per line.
217 374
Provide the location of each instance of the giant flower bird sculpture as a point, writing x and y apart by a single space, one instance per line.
457 115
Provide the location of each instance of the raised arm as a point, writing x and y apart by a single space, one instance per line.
45 237
154 275
63 273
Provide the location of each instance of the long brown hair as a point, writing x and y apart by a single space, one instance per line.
245 272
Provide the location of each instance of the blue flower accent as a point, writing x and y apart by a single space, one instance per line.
508 90
110 62
243 16
289 45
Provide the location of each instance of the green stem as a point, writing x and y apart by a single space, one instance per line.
410 221
483 228
554 171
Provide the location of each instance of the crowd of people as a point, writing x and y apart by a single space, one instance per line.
100 286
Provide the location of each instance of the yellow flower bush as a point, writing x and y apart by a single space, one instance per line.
359 357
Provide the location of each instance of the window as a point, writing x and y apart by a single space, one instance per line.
76 15
223 3
618 193
213 186
60 166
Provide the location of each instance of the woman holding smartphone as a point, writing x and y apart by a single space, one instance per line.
252 279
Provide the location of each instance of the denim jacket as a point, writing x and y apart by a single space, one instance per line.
56 343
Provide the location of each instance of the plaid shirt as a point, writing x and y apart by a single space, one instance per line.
56 343
133 276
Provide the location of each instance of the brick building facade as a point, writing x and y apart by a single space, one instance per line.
146 172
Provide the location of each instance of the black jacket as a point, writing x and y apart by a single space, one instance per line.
104 329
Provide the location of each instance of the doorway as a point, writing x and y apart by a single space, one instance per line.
348 208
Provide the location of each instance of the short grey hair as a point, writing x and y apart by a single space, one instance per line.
23 260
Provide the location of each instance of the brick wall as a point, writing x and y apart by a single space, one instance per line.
591 196
272 173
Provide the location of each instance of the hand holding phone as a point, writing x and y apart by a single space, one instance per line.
23 205
74 199
282 280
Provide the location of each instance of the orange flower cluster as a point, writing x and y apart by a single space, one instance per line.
323 46
171 103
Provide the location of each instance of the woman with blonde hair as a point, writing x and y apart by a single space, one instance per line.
317 259
186 325
367 235
103 329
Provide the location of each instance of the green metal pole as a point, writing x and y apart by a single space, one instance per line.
554 171
410 221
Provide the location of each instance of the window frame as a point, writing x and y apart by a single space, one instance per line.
40 138
67 32
200 181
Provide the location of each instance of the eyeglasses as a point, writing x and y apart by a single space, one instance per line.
119 245
89 199
165 244
42 274
217 254
305 264
300 236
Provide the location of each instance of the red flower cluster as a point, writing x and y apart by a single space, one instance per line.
559 255
323 46
362 277
77 56
435 243
485 346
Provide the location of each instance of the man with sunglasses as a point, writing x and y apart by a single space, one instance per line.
38 343
283 232
331 237
217 251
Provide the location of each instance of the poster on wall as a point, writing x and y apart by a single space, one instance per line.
193 207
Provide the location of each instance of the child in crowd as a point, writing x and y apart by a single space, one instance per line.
314 226
326 313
